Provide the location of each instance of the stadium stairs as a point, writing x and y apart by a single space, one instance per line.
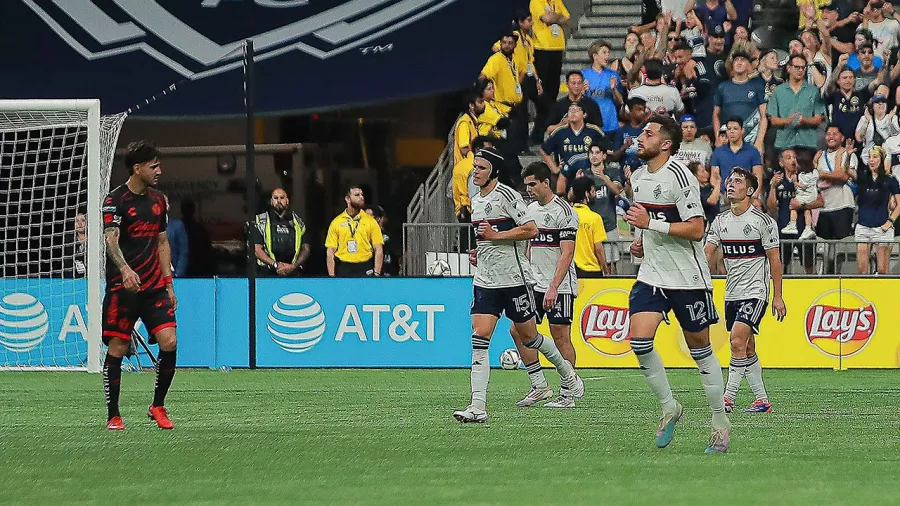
605 19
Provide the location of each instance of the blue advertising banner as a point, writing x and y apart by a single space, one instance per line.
310 55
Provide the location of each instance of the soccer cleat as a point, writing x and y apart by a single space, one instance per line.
471 415
759 406
665 432
563 401
729 405
790 228
572 386
160 415
535 396
115 423
718 441
808 234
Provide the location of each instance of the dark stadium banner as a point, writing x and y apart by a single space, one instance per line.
310 54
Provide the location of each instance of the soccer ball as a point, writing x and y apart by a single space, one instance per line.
510 359
439 268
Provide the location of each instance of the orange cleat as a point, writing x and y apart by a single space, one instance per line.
115 423
160 415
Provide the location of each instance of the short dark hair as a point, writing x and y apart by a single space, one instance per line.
749 176
694 167
480 142
471 98
669 128
139 152
633 101
522 15
833 125
539 170
735 119
481 84
598 146
681 45
580 187
793 56
350 187
654 69
574 73
579 104
378 212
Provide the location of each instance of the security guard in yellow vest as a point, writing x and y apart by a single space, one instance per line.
354 244
280 246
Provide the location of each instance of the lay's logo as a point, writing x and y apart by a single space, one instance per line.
605 325
840 323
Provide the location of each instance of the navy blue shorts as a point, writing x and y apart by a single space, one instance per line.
560 314
516 301
694 309
747 311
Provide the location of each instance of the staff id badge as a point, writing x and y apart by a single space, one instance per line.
351 246
530 70
554 29
519 88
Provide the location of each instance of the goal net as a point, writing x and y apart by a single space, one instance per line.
55 163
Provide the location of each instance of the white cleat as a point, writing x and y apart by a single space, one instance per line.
563 401
791 228
471 415
535 396
573 387
808 234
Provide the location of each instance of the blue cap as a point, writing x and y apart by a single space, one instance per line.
688 118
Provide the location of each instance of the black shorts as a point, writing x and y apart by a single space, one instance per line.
694 309
750 312
559 314
517 302
122 308
835 224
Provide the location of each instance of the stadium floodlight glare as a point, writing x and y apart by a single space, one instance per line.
55 162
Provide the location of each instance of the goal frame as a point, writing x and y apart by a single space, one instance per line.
94 218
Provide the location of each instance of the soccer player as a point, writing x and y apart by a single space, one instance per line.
552 255
674 275
501 282
138 280
749 241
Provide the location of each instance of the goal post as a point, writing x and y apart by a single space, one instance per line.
55 162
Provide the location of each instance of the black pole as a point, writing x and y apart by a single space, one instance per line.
252 196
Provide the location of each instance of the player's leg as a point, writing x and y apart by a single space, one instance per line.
486 309
695 312
540 390
118 321
740 334
648 308
755 380
560 319
158 316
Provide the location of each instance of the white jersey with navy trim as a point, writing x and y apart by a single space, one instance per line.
744 240
556 222
501 264
671 194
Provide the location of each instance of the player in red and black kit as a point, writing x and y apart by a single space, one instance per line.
138 279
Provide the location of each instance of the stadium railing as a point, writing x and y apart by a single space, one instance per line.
440 249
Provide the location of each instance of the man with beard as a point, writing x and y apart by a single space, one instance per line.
505 71
354 244
278 233
848 104
466 128
693 149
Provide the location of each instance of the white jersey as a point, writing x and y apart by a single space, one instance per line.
501 264
660 98
744 240
556 222
671 194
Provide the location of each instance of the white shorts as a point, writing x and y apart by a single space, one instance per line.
806 196
611 247
873 234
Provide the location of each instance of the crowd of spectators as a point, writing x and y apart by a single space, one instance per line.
815 118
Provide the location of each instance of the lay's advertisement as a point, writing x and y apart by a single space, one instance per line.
835 323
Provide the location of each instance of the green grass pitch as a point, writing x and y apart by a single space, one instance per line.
387 437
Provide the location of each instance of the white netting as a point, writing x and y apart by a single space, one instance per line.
44 202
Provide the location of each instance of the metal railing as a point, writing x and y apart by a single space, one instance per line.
432 202
440 249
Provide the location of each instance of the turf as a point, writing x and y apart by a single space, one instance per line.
386 437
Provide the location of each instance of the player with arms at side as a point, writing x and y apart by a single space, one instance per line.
501 281
552 256
749 242
138 280
674 275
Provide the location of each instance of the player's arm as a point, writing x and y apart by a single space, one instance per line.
165 265
130 280
525 229
566 256
690 229
712 241
778 308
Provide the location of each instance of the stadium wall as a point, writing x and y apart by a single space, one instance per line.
837 323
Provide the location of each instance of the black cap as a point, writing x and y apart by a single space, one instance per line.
741 54
494 158
829 7
717 31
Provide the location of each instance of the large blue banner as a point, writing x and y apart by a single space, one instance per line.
310 55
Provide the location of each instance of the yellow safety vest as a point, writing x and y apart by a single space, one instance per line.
264 224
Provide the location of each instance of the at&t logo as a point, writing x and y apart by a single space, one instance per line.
296 322
23 322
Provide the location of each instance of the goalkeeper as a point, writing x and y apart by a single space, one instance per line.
138 279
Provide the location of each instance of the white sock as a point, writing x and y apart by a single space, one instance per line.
481 371
536 374
713 384
547 347
755 379
736 371
653 369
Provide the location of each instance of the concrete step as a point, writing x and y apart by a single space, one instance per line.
617 8
609 20
611 34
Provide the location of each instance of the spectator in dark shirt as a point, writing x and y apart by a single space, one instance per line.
878 209
559 112
848 104
713 12
709 190
626 148
781 192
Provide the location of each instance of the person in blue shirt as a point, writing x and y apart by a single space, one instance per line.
603 85
737 153
878 209
178 243
571 140
625 145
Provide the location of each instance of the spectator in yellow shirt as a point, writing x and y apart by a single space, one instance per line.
493 121
354 244
463 186
550 16
590 259
503 69
466 128
532 86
